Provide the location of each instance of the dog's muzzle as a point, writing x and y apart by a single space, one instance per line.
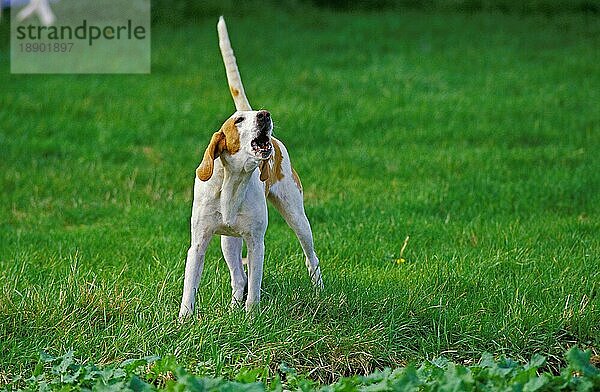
262 143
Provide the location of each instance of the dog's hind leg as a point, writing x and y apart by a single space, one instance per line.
232 252
193 272
286 196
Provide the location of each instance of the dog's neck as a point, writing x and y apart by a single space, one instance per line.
236 178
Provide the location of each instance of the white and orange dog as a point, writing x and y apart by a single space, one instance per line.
242 167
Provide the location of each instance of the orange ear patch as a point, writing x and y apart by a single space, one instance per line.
216 146
225 139
277 157
273 167
232 136
265 170
234 91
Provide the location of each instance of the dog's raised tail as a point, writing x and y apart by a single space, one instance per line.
233 74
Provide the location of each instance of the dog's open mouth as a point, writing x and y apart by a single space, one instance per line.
262 146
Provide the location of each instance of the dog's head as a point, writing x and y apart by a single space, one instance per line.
246 135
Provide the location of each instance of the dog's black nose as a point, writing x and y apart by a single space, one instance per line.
263 116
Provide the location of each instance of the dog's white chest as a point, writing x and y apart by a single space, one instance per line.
229 208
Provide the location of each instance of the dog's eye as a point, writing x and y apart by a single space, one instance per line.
238 120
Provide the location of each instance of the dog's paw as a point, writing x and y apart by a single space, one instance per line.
319 286
185 314
317 281
252 307
237 304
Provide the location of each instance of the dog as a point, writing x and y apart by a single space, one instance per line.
243 166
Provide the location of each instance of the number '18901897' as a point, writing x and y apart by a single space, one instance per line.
40 47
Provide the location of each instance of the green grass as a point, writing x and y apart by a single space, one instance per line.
475 134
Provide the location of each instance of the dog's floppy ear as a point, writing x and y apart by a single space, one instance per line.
225 139
215 148
265 170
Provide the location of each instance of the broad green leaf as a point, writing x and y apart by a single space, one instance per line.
137 385
536 384
580 362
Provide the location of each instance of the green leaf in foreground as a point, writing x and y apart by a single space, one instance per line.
65 373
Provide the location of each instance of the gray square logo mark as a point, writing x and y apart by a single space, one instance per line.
80 36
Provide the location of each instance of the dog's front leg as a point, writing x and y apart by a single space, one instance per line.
232 252
256 257
193 272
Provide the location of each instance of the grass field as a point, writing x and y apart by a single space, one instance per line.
477 135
